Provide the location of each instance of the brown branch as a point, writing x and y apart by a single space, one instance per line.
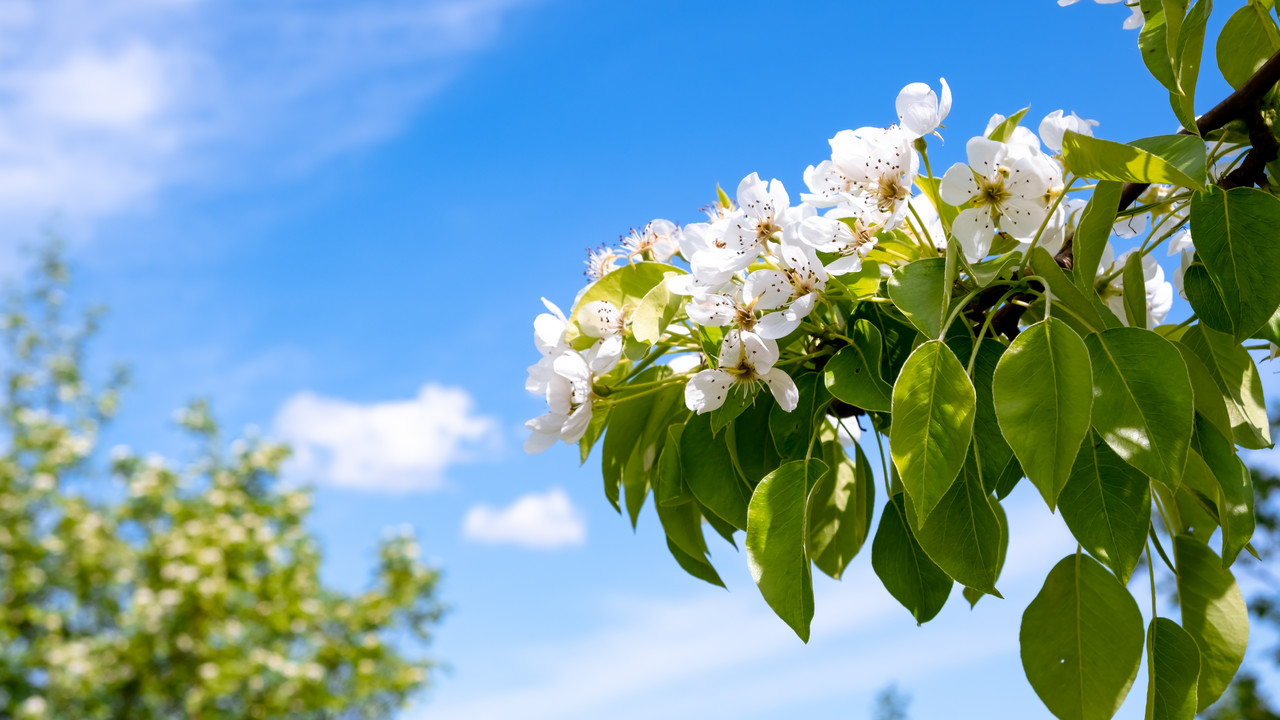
1237 105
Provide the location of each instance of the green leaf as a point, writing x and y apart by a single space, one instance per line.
624 287
657 309
666 408
1236 376
971 594
755 454
627 422
698 567
1170 159
1142 400
1208 397
683 526
1158 39
963 534
1093 231
1186 63
853 374
1234 234
840 509
933 411
776 534
919 289
1213 613
599 419
1173 666
708 471
904 568
1081 641
670 489
1043 395
1235 489
1246 42
1271 330
793 432
989 446
1067 294
1003 131
1107 506
1135 292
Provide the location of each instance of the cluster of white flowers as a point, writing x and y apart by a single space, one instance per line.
759 266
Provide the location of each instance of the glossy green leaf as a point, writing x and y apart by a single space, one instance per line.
1176 159
1142 400
666 408
841 505
1186 63
971 594
626 426
1154 41
1135 292
963 535
1043 392
1270 331
904 568
776 536
683 526
853 374
670 488
1066 293
793 432
1081 640
1236 376
920 291
1234 234
1093 231
1235 489
756 456
1173 667
1247 40
708 471
989 446
657 309
698 567
1213 613
1208 397
739 398
933 412
1107 506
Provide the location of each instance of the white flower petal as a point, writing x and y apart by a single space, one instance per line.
707 390
958 185
974 231
783 388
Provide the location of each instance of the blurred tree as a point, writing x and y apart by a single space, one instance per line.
891 704
186 590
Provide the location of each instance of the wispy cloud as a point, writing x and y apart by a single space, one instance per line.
395 446
538 520
105 103
712 654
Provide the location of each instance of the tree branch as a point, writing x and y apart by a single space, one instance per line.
1237 105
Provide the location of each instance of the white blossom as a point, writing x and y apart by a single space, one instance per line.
745 359
1055 125
869 176
1005 188
919 110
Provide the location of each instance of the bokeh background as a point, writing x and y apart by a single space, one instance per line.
335 220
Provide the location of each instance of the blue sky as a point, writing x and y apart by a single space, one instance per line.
336 219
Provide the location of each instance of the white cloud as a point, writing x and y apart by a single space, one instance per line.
712 654
104 103
396 446
541 521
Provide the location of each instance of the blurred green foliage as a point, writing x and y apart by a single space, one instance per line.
173 590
